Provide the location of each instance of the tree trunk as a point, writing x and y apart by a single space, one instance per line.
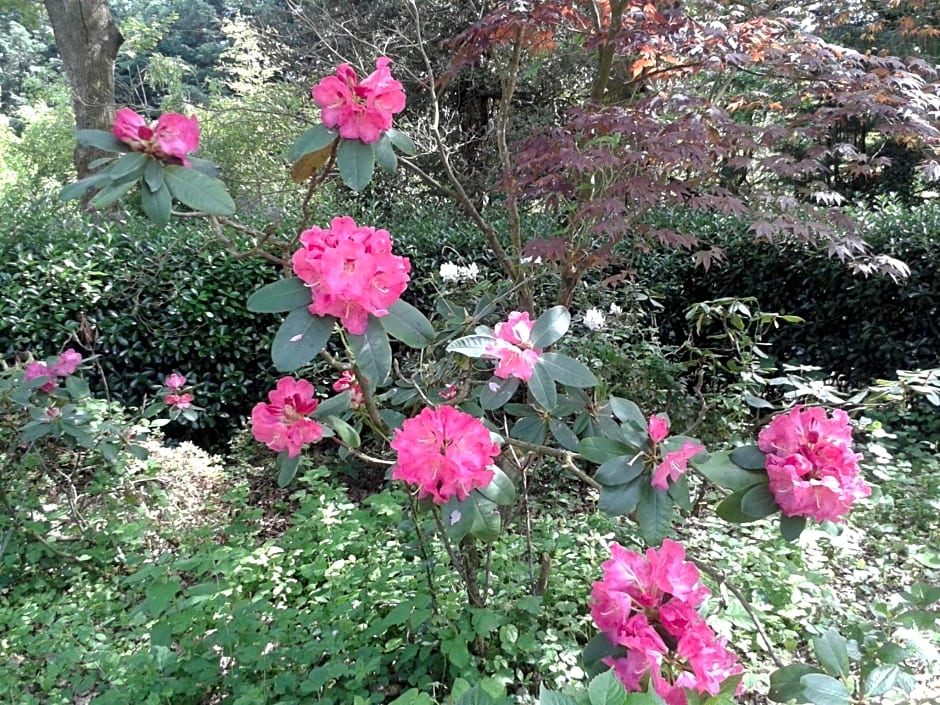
88 42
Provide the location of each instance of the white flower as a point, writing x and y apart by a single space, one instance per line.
470 272
615 310
450 272
594 319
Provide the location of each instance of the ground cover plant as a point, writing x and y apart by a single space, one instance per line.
474 430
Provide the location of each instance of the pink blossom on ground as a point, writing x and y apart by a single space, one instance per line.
657 428
351 272
66 364
282 424
179 401
347 382
675 464
812 469
175 382
36 370
445 452
172 137
512 347
361 110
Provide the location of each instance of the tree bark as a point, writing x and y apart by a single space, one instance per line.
88 41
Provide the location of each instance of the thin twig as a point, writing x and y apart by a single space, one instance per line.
459 565
362 456
566 456
425 555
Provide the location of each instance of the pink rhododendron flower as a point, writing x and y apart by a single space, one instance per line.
658 428
282 424
513 347
361 110
175 382
351 272
646 604
347 382
812 469
172 137
36 370
449 392
445 452
675 464
66 364
179 401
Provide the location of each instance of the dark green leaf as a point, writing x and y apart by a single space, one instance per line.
157 205
406 323
76 189
77 387
129 166
153 175
300 338
372 352
280 296
821 689
679 492
785 683
542 388
332 406
830 649
621 500
347 433
312 140
531 429
567 438
595 651
497 392
749 457
606 689
599 450
474 516
550 697
619 470
500 490
566 370
627 412
102 140
654 513
286 468
550 326
791 527
204 166
198 191
757 502
401 141
720 470
729 508
356 163
111 194
385 155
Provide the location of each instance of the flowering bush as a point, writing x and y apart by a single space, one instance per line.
351 272
283 423
362 110
646 604
171 138
813 471
445 452
62 366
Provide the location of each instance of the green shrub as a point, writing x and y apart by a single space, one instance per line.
857 327
147 300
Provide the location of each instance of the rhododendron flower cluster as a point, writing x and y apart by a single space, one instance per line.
513 347
445 452
347 382
673 463
283 423
351 272
175 396
812 469
362 110
172 137
647 604
63 366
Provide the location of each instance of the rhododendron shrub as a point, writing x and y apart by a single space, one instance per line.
284 423
350 271
812 469
445 453
361 110
65 364
646 605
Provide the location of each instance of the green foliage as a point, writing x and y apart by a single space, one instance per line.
147 300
